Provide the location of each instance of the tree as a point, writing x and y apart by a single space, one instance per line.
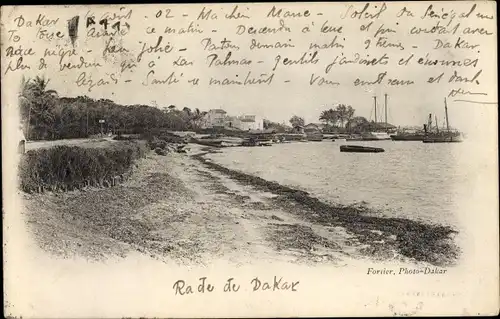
358 123
342 114
349 115
297 122
329 116
279 128
187 110
197 118
37 105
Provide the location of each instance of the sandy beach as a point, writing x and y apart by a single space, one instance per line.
184 209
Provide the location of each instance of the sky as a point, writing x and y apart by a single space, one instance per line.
407 104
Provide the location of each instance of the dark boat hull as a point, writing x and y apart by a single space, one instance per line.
407 137
443 139
360 149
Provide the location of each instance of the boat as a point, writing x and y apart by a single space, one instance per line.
360 149
443 136
208 142
405 135
354 137
377 135
252 141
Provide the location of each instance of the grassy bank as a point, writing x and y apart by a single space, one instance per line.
62 168
422 242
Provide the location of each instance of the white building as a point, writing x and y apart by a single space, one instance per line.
251 122
214 118
219 118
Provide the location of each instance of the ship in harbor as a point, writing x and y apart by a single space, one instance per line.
407 135
380 133
442 135
410 134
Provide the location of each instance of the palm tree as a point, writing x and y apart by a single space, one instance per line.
187 110
37 99
197 117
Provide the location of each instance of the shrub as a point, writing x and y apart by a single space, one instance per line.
126 137
155 143
160 151
62 168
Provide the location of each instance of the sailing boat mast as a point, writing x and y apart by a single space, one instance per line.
446 113
375 101
386 127
437 123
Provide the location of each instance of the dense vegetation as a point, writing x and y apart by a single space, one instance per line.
45 115
63 168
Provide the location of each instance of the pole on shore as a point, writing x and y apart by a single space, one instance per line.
29 122
446 113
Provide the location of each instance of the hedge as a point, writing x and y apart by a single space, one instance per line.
63 168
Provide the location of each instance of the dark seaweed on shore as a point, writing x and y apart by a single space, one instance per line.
420 241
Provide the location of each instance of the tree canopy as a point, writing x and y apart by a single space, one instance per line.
297 121
45 115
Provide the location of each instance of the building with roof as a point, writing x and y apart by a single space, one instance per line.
214 118
251 122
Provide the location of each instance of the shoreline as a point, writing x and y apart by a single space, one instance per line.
423 242
184 209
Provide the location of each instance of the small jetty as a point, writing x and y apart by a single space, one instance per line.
360 149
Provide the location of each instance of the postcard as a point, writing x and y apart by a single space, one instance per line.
250 159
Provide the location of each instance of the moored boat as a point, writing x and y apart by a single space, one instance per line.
376 136
408 136
443 136
360 149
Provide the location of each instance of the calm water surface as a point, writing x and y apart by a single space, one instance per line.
411 179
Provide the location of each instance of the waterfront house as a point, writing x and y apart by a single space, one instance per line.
313 132
214 118
251 122
320 126
311 127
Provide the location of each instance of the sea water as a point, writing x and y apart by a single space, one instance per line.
410 179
